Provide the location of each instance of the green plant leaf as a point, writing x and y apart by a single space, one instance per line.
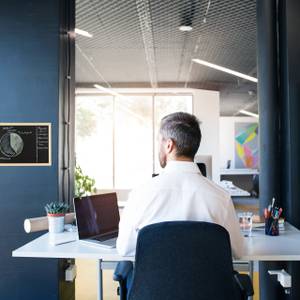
84 185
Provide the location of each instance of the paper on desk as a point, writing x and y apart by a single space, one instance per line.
56 239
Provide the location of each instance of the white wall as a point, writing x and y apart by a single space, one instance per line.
227 138
207 109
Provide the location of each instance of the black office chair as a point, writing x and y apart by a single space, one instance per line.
182 260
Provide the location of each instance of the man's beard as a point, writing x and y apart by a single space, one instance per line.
162 159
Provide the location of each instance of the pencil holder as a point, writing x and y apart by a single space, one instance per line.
271 226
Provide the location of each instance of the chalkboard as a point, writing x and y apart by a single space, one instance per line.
25 144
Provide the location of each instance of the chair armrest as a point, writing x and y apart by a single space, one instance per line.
122 270
244 283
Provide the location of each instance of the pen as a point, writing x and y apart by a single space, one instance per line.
269 209
273 201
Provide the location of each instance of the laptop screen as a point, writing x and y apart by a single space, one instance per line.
97 215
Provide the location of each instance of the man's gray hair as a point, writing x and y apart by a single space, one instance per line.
184 130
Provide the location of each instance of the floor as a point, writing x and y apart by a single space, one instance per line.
86 282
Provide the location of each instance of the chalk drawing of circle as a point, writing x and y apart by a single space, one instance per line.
11 144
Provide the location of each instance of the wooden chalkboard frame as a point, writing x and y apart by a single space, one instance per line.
18 164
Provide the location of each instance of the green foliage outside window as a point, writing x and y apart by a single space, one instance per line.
84 185
85 122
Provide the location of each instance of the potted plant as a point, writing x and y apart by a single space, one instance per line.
56 216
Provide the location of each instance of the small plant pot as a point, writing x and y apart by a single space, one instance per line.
56 223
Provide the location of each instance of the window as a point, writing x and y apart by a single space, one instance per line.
116 137
133 140
94 137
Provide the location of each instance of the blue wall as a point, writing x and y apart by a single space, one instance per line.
29 85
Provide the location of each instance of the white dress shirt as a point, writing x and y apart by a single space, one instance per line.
179 193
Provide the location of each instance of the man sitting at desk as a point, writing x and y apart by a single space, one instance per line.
180 192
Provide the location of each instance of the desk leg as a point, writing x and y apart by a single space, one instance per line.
100 281
251 271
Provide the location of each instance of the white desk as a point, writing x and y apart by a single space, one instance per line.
239 172
259 247
40 247
232 189
285 247
235 192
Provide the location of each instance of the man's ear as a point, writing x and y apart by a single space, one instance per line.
169 146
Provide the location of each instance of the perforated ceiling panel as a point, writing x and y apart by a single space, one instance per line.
138 41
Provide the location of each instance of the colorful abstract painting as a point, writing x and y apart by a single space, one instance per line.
246 145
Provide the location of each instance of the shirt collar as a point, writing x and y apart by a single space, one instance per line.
181 166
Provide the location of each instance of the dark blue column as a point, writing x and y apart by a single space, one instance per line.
278 49
267 65
30 84
268 101
289 51
290 93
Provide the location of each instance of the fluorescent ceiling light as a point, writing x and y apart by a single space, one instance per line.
248 113
83 33
223 69
185 28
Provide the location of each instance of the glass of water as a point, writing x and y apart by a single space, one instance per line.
245 220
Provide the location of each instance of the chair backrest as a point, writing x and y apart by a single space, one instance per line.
183 260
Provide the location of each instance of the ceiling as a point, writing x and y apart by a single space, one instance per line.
137 43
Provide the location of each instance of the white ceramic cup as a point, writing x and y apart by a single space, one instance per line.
56 223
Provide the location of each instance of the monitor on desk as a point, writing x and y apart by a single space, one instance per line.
202 168
204 161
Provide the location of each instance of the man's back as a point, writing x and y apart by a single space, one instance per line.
180 192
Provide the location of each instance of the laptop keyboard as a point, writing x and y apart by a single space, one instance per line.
104 238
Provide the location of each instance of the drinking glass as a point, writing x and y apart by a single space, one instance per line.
245 220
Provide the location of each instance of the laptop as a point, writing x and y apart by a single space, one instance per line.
97 219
